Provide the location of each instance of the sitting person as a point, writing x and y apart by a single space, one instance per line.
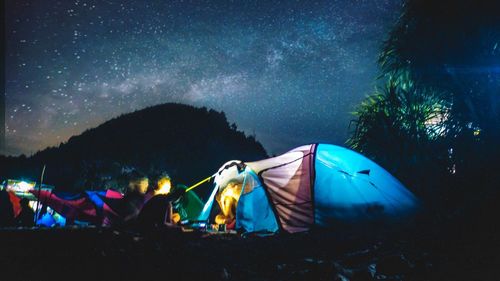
135 197
123 211
27 216
6 210
154 211
170 205
228 200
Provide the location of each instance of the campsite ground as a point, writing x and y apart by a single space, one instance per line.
448 252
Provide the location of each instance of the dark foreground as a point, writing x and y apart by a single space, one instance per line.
447 252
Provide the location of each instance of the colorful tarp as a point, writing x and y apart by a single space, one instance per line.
16 203
72 207
85 206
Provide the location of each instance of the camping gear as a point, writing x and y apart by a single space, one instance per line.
46 220
72 206
189 205
16 203
87 206
313 185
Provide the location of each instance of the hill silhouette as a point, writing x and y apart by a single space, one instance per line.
186 142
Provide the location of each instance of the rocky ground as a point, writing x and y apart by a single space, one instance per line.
449 252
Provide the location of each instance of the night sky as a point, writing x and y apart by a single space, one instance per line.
289 72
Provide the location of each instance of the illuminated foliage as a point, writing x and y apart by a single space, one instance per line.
400 124
437 120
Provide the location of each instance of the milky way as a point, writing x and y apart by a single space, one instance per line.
288 72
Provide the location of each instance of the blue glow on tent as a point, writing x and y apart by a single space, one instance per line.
205 213
349 186
254 213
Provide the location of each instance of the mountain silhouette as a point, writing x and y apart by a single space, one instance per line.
186 142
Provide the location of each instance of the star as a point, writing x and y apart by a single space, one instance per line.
288 72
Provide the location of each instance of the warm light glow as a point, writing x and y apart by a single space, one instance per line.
164 186
20 186
24 186
176 218
436 124
33 205
139 185
228 201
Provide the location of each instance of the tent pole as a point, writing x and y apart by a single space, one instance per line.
37 212
199 183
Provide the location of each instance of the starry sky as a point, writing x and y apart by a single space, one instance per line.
289 72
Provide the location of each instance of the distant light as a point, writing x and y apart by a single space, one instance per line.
24 186
436 125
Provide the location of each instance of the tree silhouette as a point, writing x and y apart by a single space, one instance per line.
441 63
186 142
402 128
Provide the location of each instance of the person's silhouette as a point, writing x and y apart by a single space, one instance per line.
6 210
27 215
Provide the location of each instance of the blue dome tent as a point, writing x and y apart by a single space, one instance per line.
312 185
